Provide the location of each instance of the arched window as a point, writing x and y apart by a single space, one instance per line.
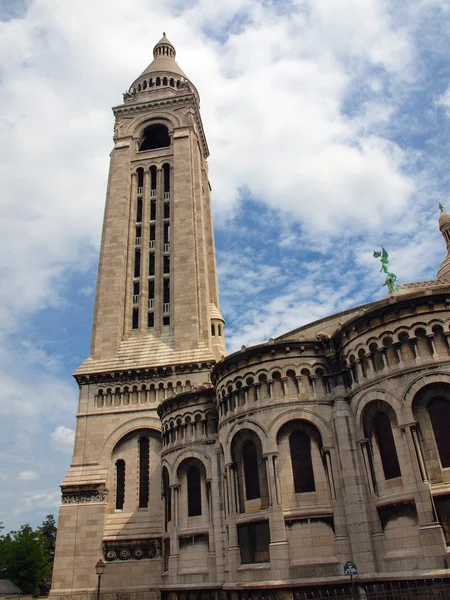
439 411
386 445
140 179
144 479
167 497
302 469
251 471
194 491
120 484
155 136
213 329
164 80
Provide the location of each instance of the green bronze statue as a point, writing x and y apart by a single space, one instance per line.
390 277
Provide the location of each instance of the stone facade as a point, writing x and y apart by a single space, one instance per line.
262 473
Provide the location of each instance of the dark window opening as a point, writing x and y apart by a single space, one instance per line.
254 540
139 211
166 264
151 263
172 83
442 504
151 319
213 330
136 287
155 136
220 330
140 178
439 411
151 288
137 263
386 445
165 81
167 498
153 173
166 177
302 468
120 484
251 470
194 492
138 231
166 320
158 81
166 210
151 84
166 291
166 233
153 210
152 233
144 476
135 319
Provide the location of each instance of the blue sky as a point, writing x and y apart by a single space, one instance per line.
328 126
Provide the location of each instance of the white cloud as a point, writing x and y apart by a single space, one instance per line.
63 439
27 476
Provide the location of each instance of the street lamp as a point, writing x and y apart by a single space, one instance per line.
99 569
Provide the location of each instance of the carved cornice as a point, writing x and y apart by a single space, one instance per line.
134 375
126 109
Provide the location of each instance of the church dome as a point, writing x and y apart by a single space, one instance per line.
444 218
162 74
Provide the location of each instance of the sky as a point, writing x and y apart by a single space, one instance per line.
328 124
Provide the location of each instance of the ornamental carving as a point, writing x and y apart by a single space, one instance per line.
84 496
132 549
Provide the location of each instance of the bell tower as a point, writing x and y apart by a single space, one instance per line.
157 332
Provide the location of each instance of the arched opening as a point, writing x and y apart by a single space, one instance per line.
120 484
302 468
155 136
164 80
439 411
213 330
158 81
386 445
144 85
194 490
144 475
251 476
172 83
140 180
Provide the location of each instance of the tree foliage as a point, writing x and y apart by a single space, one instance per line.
26 556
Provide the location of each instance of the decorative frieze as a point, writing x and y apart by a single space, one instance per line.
83 496
132 549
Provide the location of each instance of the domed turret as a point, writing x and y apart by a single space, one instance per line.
444 226
162 76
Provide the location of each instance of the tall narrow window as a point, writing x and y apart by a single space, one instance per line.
152 236
166 290
386 445
137 263
167 498
135 319
151 263
153 173
144 477
166 264
136 288
166 178
194 491
302 469
151 289
139 210
167 210
251 470
439 411
152 210
140 180
151 319
166 233
120 484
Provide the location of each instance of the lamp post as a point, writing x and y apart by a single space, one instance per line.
99 569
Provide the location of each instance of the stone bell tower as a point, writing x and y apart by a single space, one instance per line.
157 331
